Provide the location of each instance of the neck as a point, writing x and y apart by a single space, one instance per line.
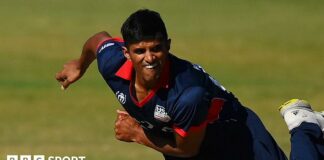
141 84
142 89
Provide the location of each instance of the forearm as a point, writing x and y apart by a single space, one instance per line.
127 129
164 145
89 50
73 70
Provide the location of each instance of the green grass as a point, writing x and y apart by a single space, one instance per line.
265 52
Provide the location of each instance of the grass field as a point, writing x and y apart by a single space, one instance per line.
266 52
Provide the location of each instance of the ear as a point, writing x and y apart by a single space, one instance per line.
126 53
169 44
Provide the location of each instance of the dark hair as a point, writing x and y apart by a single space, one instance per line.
142 25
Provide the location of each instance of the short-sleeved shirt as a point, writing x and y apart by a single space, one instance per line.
186 97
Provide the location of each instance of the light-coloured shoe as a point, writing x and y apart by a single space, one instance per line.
320 119
296 111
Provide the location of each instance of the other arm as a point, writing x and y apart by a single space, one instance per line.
128 130
74 70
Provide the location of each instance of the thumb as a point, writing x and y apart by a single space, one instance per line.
122 113
65 84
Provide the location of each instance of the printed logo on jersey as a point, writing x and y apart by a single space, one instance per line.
160 114
105 46
121 97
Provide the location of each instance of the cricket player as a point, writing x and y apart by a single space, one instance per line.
171 105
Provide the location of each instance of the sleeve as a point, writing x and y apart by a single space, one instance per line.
191 110
110 56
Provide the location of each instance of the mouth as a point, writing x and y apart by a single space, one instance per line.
152 66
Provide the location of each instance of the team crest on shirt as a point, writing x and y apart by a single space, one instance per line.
121 97
160 114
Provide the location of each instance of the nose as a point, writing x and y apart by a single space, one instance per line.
149 57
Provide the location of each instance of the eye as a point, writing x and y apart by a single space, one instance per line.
157 48
139 51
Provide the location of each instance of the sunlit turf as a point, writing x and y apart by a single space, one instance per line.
265 52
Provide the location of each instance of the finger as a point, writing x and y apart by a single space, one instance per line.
60 76
116 128
119 119
65 84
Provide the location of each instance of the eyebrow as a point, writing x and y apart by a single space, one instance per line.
154 45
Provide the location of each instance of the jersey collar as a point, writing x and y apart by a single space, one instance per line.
126 72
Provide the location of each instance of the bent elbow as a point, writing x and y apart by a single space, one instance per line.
189 153
193 153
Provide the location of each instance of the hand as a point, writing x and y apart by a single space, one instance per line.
126 127
69 74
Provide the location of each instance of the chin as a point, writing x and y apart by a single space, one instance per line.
151 78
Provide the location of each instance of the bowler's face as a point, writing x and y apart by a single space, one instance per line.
148 58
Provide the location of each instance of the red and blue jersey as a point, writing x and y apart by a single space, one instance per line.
186 98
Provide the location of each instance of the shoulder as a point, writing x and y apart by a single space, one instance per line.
110 56
109 43
192 97
185 74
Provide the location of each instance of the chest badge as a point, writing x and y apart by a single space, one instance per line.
121 97
160 114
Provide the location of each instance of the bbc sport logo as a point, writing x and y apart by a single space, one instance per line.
43 157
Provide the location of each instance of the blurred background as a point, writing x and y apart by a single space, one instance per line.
266 52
